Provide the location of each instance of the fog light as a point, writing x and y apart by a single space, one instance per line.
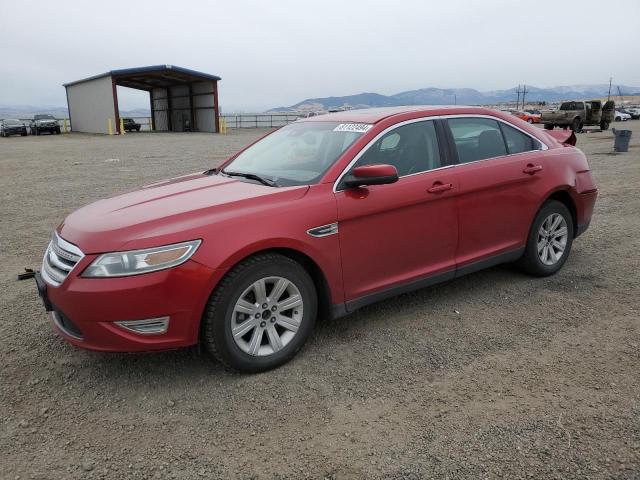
150 326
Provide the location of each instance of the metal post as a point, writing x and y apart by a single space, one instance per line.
216 109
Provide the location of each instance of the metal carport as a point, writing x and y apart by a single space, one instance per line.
181 99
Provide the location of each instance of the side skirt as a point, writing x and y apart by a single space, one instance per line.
351 306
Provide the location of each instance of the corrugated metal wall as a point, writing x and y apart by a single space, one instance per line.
203 105
160 107
91 106
201 98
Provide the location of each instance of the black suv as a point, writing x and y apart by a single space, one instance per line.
130 125
43 122
10 126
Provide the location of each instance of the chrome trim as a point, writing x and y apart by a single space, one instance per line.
150 326
323 230
56 321
426 119
59 260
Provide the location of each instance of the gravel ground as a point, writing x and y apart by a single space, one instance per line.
495 375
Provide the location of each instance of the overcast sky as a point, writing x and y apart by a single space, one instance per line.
277 52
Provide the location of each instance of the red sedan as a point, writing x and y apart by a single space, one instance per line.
320 217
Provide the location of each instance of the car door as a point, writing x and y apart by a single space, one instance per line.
394 236
500 173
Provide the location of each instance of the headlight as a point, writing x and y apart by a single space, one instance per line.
136 262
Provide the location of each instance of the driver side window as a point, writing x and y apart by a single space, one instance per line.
411 148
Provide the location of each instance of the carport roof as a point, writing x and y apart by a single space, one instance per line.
154 76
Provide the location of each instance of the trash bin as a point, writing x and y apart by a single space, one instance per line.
621 142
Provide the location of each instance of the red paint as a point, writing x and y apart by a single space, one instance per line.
421 225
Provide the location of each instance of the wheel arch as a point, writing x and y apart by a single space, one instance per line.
563 196
311 266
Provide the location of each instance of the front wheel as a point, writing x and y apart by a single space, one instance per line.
549 241
261 313
604 125
529 120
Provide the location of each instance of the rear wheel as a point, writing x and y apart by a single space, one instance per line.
529 120
576 125
260 314
549 241
604 125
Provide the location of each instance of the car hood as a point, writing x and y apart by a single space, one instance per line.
168 212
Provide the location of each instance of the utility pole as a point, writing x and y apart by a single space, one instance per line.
455 99
518 100
524 92
609 94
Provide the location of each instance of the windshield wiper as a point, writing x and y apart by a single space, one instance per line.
252 176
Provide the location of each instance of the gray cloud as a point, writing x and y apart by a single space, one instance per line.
272 53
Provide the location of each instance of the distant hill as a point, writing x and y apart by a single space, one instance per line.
463 96
28 111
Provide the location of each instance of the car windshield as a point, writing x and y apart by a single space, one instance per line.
44 116
297 154
11 121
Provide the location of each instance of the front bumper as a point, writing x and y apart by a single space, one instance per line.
84 310
16 131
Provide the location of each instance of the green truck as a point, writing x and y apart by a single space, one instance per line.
577 114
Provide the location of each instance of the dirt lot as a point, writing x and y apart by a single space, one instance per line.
496 375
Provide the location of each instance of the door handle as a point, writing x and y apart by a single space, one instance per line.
439 187
531 169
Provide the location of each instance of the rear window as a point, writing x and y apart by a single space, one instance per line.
518 142
477 139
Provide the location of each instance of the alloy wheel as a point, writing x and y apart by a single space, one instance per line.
552 239
267 316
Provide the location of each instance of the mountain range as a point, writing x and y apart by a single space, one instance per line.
462 96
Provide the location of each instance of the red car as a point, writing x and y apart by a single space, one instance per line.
320 217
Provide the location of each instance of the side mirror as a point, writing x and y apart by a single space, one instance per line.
371 175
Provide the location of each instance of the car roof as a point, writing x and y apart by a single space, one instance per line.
375 115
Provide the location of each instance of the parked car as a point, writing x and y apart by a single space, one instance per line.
633 111
11 126
130 125
321 217
43 122
622 116
526 116
577 114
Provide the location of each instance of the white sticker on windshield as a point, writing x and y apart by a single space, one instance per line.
352 127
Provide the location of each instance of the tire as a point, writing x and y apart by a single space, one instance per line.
617 119
57 131
604 125
532 260
530 120
221 316
548 126
576 126
137 129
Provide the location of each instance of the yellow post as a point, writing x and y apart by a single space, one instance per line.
65 126
150 124
109 126
122 126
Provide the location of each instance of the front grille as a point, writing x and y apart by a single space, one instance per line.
59 259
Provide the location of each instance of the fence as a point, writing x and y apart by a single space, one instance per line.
259 120
235 120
